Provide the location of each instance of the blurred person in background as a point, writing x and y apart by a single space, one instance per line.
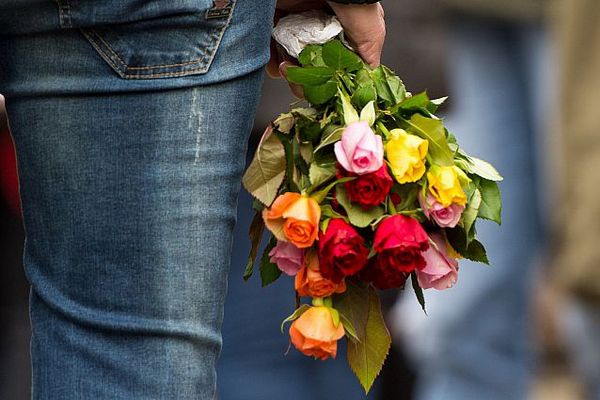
474 343
578 229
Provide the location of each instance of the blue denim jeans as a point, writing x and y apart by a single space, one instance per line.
474 343
130 121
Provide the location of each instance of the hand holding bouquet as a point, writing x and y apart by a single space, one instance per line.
362 190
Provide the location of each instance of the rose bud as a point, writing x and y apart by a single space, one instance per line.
288 258
383 277
441 271
399 242
406 155
445 217
294 218
368 190
342 251
444 185
360 150
315 334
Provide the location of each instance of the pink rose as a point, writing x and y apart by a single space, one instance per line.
360 151
441 271
445 217
289 258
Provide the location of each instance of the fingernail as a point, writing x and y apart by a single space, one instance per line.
283 68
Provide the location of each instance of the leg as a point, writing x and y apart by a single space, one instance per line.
129 186
129 204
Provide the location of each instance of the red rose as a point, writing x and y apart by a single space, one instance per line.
342 251
383 277
399 242
367 190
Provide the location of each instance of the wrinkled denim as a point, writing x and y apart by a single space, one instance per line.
131 122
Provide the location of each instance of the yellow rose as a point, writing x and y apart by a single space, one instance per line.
444 185
406 154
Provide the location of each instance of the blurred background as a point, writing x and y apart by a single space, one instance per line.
523 79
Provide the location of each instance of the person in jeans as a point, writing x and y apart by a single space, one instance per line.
130 121
475 341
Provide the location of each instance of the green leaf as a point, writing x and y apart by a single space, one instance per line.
357 216
265 174
433 131
268 271
349 328
305 113
309 75
309 130
256 230
330 136
363 78
320 174
312 55
337 56
306 152
335 316
321 194
363 95
325 224
257 205
416 102
354 305
457 237
476 252
434 104
320 94
360 305
295 315
389 87
491 203
328 211
418 291
484 169
470 213
298 158
348 111
367 114
408 196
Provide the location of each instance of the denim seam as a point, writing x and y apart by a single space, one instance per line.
127 67
123 68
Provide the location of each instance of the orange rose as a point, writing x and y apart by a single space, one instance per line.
309 281
314 333
294 218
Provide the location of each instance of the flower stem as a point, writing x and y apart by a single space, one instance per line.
383 129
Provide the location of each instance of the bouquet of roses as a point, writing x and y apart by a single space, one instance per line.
362 190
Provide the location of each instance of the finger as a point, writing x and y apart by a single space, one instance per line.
296 89
370 52
274 61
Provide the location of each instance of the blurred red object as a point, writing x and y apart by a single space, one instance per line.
9 180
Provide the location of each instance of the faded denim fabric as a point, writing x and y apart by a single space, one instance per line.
131 120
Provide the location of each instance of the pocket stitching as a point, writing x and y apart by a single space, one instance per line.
205 60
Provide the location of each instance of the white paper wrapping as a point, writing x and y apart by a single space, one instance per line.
296 31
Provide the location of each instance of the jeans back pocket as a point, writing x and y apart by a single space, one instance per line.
151 39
